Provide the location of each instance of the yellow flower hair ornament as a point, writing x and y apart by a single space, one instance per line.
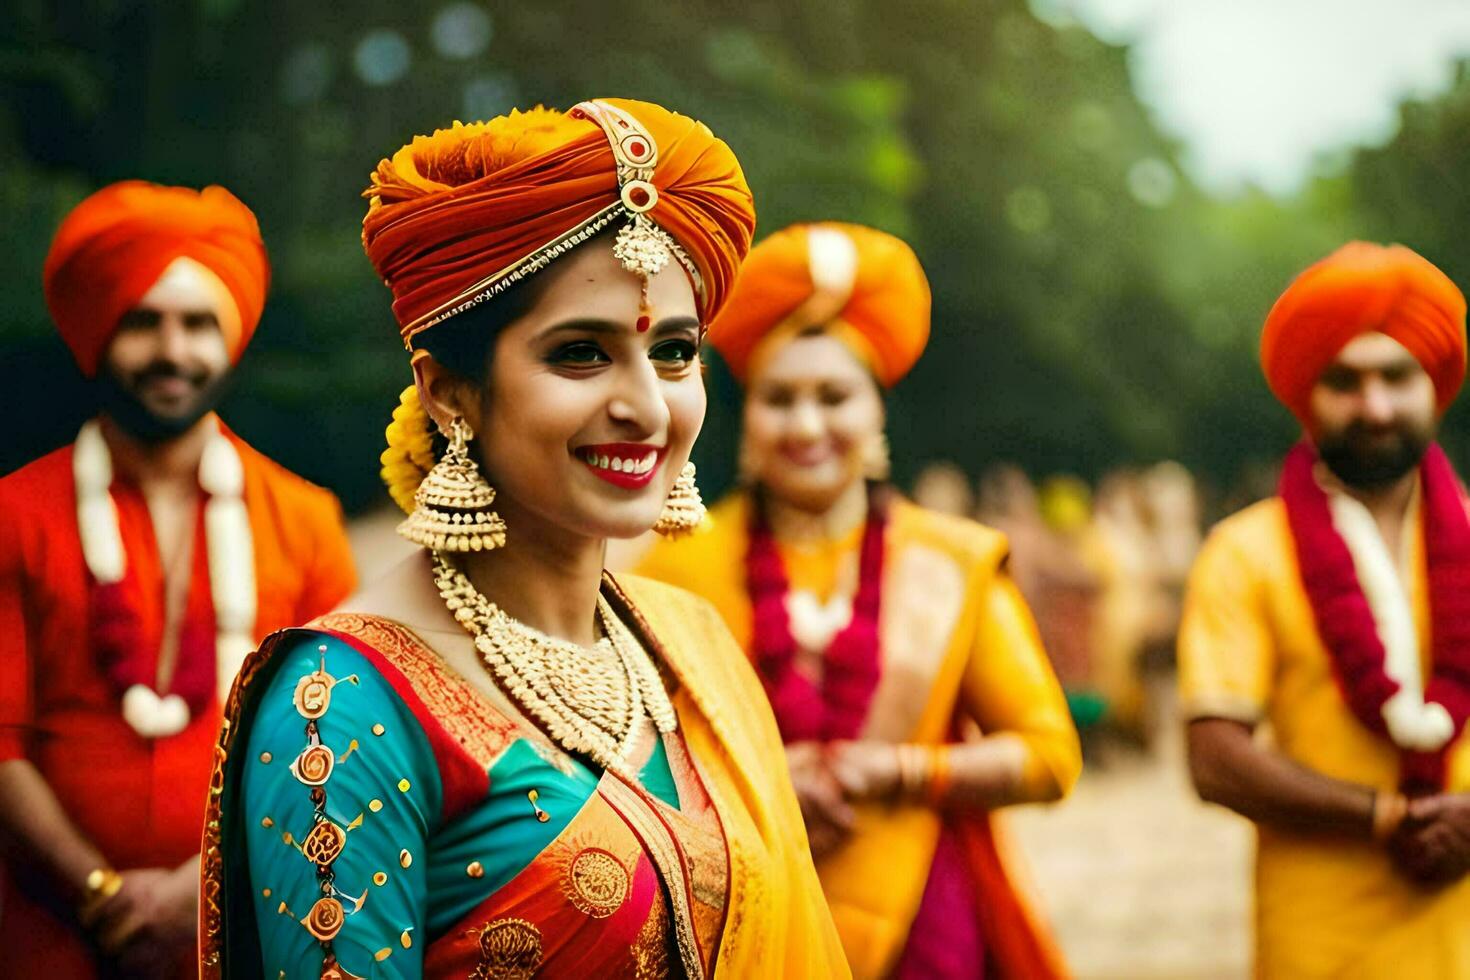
410 452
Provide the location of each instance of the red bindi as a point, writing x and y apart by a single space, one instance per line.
643 324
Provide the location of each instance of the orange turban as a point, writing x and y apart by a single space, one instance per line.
458 216
1359 288
866 286
116 244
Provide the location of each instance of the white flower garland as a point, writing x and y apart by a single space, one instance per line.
1413 723
231 563
814 623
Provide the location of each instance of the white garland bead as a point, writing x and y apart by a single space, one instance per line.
231 562
151 716
1413 723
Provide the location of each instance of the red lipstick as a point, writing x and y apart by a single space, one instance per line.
630 465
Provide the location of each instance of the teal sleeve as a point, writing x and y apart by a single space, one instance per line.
384 791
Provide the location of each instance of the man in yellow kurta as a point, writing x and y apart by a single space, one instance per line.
1336 614
876 625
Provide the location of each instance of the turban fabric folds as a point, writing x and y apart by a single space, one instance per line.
863 286
113 247
1364 287
457 216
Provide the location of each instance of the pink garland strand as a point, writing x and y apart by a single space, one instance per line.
851 665
126 655
1345 619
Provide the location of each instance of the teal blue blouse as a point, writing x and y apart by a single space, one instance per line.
404 876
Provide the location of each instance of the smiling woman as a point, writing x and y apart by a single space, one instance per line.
506 762
877 627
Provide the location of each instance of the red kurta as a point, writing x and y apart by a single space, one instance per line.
140 801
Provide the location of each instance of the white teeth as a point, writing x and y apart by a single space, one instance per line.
619 464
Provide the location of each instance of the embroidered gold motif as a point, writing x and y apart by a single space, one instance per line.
375 805
265 757
404 785
475 870
404 858
510 949
313 694
324 920
380 879
596 883
405 939
379 729
464 712
324 843
314 765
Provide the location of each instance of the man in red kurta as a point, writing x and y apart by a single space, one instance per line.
137 567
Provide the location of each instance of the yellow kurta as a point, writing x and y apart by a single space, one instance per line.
957 639
1249 650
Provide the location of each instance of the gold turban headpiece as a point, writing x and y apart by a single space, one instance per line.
459 216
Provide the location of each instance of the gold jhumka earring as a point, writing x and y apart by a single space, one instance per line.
684 510
877 462
452 504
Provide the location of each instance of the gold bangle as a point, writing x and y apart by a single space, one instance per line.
938 789
915 771
1389 811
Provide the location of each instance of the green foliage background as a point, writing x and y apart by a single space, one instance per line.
1092 307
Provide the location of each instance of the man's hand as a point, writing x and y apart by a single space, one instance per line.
152 920
1432 846
828 816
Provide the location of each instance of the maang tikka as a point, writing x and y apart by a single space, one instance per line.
452 506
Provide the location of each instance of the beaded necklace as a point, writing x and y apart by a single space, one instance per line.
590 700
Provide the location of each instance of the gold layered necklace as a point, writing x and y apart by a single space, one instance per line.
590 700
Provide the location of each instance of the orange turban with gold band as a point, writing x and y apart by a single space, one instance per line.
459 216
1361 288
116 244
864 286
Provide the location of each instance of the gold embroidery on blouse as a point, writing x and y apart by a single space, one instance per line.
464 712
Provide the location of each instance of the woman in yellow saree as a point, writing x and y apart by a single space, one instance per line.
883 633
500 761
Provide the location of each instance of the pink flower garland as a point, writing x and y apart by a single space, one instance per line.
126 655
851 665
1345 619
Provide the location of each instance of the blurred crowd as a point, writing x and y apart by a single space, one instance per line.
1103 567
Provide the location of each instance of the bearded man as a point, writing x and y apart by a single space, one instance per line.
1338 615
137 567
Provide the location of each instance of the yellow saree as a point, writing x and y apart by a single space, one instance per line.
956 641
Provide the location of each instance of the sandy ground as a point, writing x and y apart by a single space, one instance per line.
1141 880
